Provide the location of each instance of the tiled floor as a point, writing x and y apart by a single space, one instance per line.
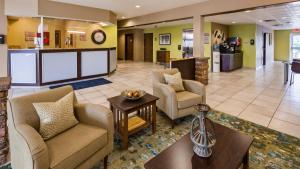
255 95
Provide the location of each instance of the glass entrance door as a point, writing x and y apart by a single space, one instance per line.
295 46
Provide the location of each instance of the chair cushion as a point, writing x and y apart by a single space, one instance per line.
56 117
187 99
72 147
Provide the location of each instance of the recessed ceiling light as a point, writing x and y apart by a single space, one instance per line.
233 22
248 11
123 17
137 6
260 20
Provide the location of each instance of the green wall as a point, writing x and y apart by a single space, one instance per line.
246 32
282 45
176 39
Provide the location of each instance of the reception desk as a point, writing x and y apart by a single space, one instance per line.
33 67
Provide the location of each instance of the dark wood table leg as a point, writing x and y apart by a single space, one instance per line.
125 131
153 118
246 161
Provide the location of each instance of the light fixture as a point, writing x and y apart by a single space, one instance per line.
260 20
248 11
233 22
123 17
137 6
103 24
77 32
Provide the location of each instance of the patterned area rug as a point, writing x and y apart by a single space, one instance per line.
270 149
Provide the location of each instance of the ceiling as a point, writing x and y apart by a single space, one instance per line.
276 17
127 8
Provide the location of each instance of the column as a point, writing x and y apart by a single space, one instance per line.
3 47
4 145
198 27
201 64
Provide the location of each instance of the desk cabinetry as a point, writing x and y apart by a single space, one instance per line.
163 56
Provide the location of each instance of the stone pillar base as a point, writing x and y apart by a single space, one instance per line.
201 74
4 145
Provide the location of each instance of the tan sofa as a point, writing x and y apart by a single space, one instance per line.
82 146
177 104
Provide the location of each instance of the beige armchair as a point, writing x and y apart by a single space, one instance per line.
177 104
82 146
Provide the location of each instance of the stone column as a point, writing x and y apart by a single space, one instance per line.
198 27
4 145
201 73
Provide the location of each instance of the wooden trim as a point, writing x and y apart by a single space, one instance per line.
79 61
39 65
152 23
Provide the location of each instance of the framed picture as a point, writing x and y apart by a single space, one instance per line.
165 39
29 36
46 38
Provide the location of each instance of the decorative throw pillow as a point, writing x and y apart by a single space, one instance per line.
56 117
175 81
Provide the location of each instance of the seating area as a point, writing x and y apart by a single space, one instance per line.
149 85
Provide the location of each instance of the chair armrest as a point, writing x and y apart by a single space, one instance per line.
167 99
195 87
96 115
28 148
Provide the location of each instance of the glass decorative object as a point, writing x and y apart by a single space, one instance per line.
202 132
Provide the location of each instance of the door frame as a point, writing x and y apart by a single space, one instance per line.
126 45
265 42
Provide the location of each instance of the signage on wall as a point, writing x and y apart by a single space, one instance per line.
2 39
206 38
296 30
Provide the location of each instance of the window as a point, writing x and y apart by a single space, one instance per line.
295 46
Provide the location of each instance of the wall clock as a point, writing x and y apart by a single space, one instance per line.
98 37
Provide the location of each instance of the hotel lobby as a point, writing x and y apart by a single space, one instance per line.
155 85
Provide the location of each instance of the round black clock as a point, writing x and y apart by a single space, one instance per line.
98 37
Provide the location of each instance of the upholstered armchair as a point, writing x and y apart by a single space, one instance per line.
81 147
177 104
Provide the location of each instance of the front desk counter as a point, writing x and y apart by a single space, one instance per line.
40 67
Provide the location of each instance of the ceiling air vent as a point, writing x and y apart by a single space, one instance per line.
277 25
269 20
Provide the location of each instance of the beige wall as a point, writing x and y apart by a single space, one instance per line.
54 9
18 26
21 7
69 11
204 8
138 53
3 48
260 30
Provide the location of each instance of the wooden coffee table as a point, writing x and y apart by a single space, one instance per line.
125 126
230 152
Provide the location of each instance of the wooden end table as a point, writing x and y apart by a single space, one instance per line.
230 152
121 108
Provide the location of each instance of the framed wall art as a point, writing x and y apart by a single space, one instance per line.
165 39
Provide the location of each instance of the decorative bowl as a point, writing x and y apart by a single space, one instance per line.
133 94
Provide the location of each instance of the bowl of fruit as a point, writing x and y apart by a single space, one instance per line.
133 94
